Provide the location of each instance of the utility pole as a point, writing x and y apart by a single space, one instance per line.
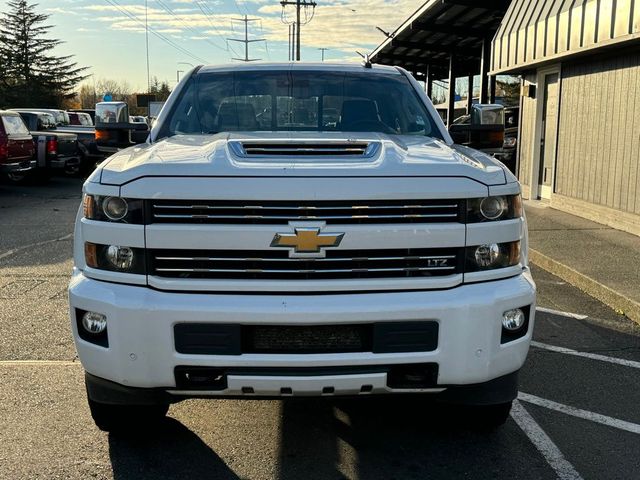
323 50
299 4
146 34
246 39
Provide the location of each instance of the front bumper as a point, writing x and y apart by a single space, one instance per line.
142 354
19 167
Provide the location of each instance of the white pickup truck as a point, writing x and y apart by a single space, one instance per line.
299 230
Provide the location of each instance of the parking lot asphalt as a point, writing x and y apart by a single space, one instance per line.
578 415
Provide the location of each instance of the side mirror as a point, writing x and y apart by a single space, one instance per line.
113 128
483 129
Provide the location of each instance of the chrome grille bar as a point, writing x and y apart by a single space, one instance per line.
337 270
282 212
276 264
310 207
300 217
255 259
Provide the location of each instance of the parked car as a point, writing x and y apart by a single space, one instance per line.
62 117
17 152
80 118
90 156
89 111
55 150
230 258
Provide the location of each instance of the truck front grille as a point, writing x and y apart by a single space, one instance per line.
283 212
276 264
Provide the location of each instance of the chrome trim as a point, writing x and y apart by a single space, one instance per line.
254 259
311 207
285 211
342 270
304 148
304 217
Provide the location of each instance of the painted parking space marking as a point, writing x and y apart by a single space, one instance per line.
8 253
578 412
577 316
592 356
551 453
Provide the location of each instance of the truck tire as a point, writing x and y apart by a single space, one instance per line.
129 419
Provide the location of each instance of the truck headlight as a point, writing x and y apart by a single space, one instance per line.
121 258
112 209
115 208
115 258
500 207
493 208
492 255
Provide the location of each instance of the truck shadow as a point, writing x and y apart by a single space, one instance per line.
173 451
396 438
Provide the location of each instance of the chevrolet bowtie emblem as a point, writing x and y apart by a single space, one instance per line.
307 240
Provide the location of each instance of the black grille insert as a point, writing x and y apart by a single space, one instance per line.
235 339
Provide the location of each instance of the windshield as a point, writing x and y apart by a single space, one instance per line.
13 125
299 101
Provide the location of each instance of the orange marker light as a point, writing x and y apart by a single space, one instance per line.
88 206
91 255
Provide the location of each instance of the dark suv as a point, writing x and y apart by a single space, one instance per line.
17 151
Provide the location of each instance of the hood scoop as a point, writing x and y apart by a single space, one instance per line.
297 149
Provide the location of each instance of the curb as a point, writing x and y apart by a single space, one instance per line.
606 295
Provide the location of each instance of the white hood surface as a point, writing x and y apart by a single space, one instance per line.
211 156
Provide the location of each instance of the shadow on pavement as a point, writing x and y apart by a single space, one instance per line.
171 452
398 438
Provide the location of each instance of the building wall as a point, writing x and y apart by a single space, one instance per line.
526 136
598 153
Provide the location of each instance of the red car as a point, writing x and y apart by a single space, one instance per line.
17 151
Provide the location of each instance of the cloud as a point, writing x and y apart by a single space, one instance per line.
61 11
341 26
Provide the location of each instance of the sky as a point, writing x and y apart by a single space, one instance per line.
109 35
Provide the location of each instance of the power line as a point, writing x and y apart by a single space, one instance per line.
208 17
188 27
169 42
246 39
297 24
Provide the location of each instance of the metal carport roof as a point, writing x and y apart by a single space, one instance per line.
440 28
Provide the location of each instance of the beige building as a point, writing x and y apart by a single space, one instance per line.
579 144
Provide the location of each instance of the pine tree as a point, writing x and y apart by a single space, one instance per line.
31 75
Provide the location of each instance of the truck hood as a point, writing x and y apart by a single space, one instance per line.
227 154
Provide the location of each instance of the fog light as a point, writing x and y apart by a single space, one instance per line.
115 208
487 255
120 257
493 208
94 322
513 320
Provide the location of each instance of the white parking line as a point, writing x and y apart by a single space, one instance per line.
592 356
8 253
578 412
551 453
561 313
